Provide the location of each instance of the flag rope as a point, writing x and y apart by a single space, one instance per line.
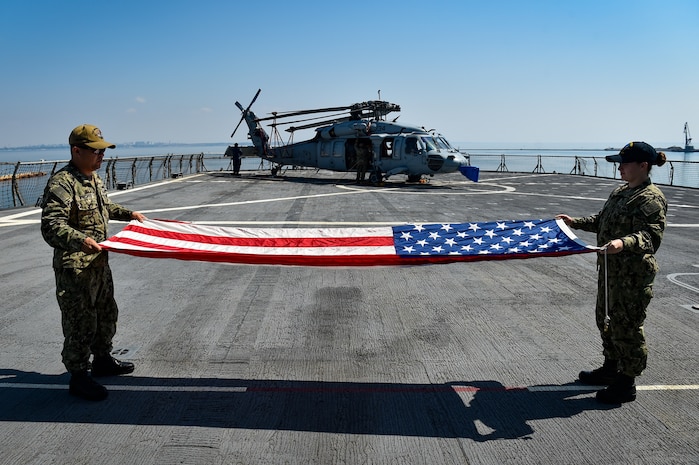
606 289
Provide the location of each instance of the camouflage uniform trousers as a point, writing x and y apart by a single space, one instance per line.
88 313
623 338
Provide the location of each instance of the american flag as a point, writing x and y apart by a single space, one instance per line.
409 244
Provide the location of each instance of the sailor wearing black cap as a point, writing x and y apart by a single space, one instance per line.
630 228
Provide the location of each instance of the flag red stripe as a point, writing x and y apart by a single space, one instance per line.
369 241
154 250
324 260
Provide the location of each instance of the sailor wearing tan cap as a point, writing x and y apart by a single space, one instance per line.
75 214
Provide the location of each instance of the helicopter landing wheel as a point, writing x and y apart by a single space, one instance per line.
375 177
274 171
414 177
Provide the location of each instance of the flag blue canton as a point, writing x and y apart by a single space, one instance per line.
488 238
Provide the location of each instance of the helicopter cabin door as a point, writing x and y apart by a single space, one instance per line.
357 151
332 154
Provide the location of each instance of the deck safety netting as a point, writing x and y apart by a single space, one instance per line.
22 183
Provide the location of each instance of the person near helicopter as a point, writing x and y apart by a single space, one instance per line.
362 150
236 155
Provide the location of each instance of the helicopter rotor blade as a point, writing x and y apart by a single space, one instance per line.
317 124
288 114
283 123
236 128
254 98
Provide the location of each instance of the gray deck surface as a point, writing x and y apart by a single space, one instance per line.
470 363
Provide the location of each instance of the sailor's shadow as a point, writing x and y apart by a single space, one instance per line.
497 412
480 410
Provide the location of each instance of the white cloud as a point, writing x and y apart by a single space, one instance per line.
140 100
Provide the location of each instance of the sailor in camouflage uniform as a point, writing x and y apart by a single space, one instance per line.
74 220
630 226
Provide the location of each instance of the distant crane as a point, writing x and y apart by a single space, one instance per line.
688 147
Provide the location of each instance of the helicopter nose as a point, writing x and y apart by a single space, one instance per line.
454 161
446 162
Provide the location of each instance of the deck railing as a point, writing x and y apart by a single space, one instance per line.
22 183
672 173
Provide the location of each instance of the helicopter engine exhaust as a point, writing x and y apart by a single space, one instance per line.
349 128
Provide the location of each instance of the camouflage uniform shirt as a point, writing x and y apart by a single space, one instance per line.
637 217
75 207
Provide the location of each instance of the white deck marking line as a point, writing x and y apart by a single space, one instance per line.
6 221
649 387
668 387
277 199
311 223
122 387
694 308
426 389
250 202
10 219
673 279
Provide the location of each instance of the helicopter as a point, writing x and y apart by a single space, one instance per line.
354 138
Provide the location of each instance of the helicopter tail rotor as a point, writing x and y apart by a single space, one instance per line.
237 104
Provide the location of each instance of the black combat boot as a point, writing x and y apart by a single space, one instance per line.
622 389
82 385
601 376
109 366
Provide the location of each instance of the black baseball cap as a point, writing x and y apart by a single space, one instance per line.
635 151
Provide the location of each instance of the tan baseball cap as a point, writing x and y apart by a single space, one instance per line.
87 135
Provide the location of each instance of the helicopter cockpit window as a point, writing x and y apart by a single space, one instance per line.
443 143
430 143
411 145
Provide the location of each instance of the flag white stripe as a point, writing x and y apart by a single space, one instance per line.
199 229
215 248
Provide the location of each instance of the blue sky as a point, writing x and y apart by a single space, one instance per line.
532 73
